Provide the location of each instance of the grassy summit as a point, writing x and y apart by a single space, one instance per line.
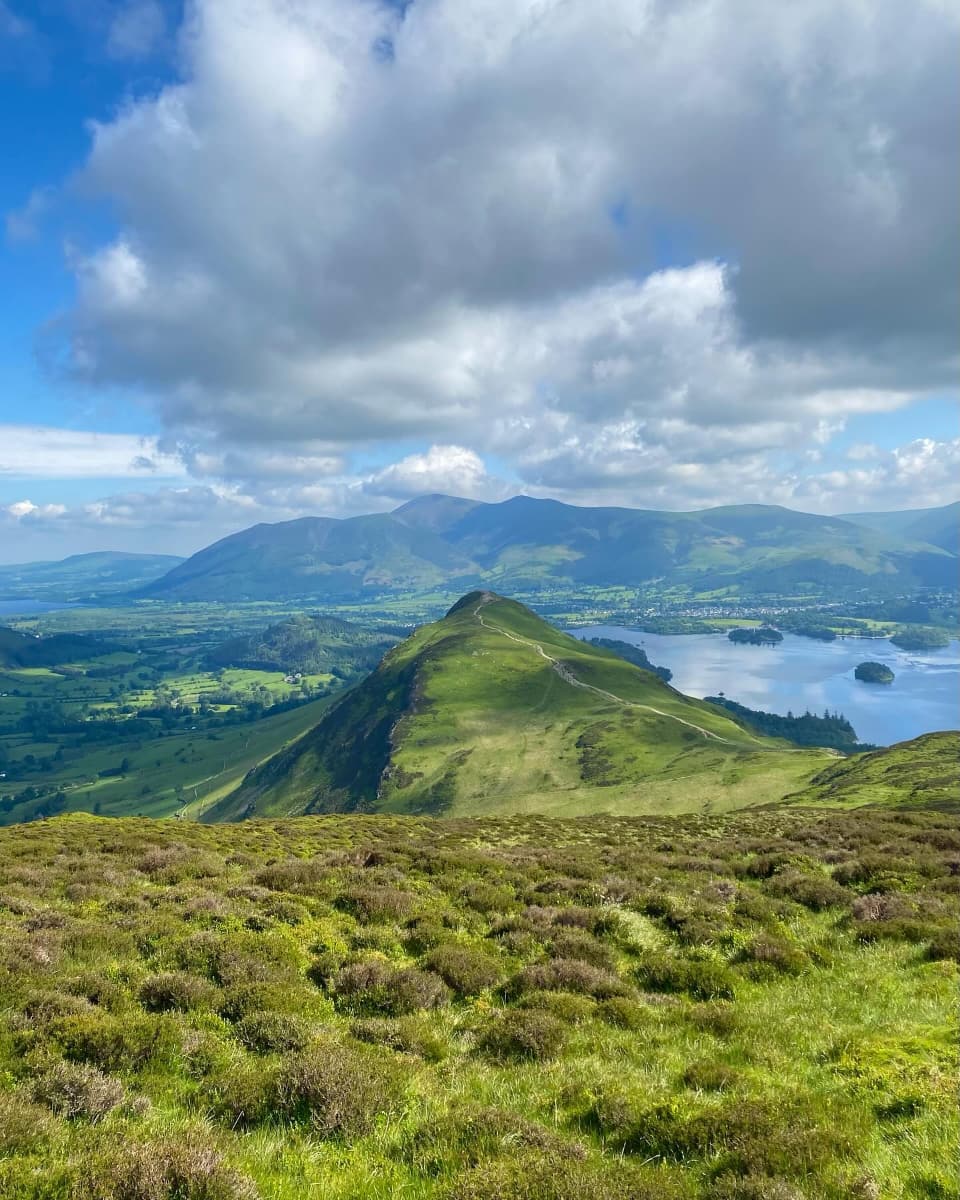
491 710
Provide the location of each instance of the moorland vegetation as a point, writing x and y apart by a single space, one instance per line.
755 1007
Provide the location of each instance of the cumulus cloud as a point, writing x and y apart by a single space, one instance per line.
464 229
453 470
922 473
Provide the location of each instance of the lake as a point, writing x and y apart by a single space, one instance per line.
801 673
30 608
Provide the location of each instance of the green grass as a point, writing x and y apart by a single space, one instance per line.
468 717
223 1013
925 770
180 771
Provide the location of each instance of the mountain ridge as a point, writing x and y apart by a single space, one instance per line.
444 542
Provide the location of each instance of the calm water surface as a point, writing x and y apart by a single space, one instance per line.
29 608
801 673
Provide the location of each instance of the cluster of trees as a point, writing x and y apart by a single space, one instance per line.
762 635
921 637
633 654
832 730
873 672
311 644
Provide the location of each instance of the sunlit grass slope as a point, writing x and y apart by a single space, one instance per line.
493 710
925 770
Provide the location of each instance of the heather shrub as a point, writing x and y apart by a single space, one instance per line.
407 1035
554 1177
373 905
465 970
173 1169
757 1187
176 991
769 953
271 1032
338 1090
704 979
816 892
584 947
374 988
570 1008
623 1013
488 897
78 1091
238 1090
241 1000
569 975
746 1136
523 1034
707 1075
423 934
115 1043
24 1127
718 1018
471 1133
944 944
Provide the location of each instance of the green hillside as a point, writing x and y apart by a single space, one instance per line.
26 650
523 543
924 771
315 556
82 576
493 710
937 526
307 643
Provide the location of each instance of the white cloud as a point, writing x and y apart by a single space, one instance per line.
453 470
465 232
39 452
920 474
343 229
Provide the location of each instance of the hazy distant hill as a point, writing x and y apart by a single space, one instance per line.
522 543
83 575
492 710
937 526
315 556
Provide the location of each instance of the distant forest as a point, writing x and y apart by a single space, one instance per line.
633 654
832 729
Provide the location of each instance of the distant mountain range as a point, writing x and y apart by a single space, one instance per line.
492 710
82 576
446 542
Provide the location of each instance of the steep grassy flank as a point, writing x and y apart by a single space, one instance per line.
759 1007
493 710
158 777
925 770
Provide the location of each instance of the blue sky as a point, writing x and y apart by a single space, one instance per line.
256 266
